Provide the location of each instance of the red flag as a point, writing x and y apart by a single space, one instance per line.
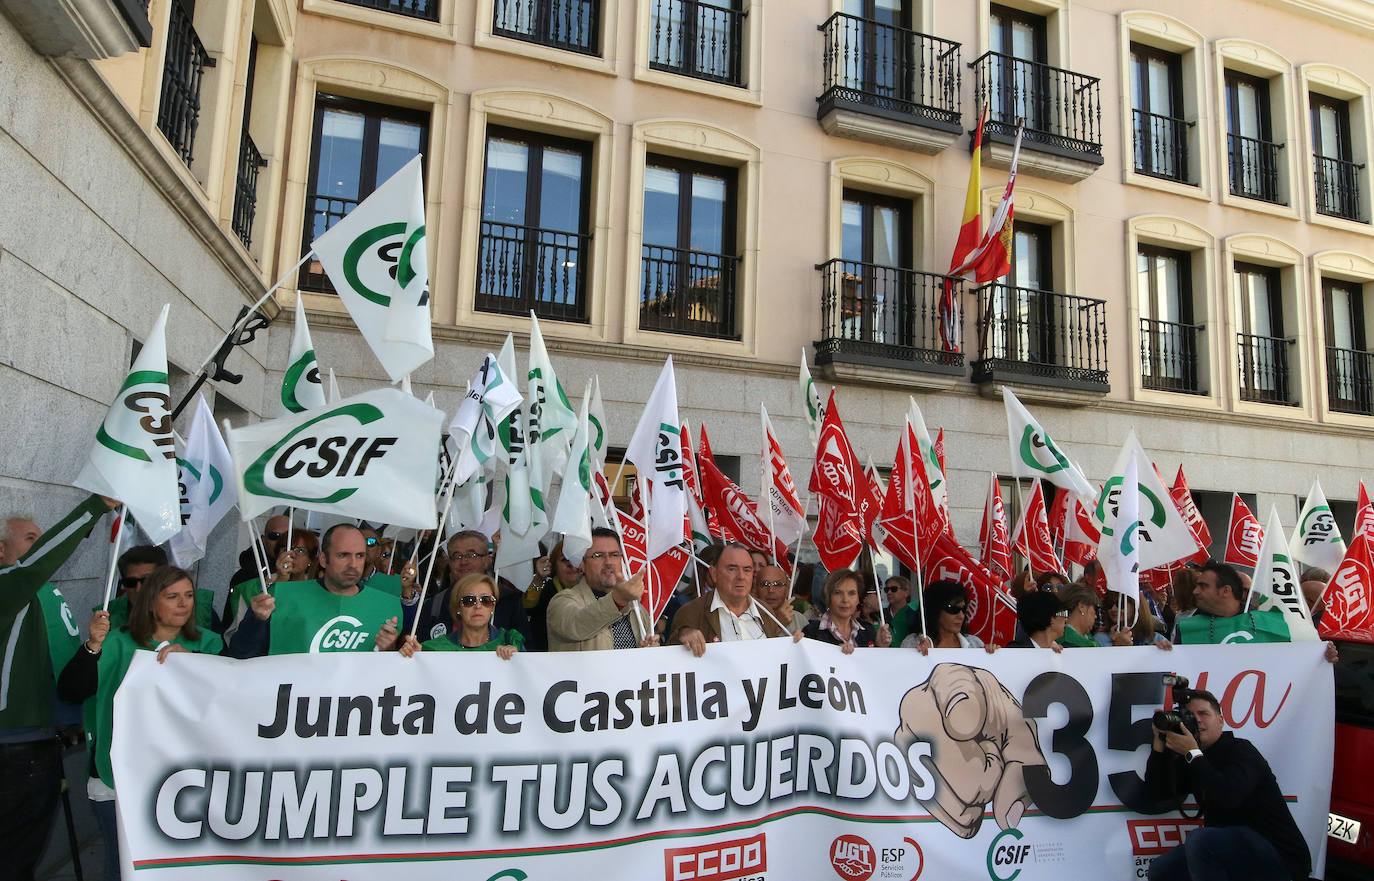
713 520
1364 514
910 520
1243 535
840 488
991 614
737 514
940 449
1059 518
1349 596
1081 536
1032 538
1183 500
667 567
970 231
994 533
872 504
689 466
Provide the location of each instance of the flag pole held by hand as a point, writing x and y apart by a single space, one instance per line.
120 524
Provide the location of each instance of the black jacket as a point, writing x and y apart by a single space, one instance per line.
1235 787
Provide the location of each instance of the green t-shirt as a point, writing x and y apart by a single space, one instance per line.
449 642
309 618
1073 639
385 583
205 610
116 654
1257 626
906 620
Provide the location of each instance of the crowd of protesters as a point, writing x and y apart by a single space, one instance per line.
352 571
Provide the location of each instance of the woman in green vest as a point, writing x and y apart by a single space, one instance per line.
471 604
162 619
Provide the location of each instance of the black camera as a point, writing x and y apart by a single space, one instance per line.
1180 717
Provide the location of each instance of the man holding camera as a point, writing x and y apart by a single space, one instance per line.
1247 829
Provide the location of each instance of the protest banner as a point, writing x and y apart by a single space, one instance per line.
763 760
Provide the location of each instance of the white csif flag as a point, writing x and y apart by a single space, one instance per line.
1118 548
1276 579
1316 539
369 456
301 387
1163 536
573 516
377 261
551 418
207 484
811 402
491 397
655 450
1035 454
935 475
134 456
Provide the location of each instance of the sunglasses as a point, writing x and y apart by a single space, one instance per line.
954 608
772 584
385 555
273 536
473 599
132 583
370 541
891 588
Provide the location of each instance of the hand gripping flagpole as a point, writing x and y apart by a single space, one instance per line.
120 524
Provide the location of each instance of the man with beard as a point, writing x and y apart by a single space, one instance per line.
602 610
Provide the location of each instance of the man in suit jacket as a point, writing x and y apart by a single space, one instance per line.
727 614
601 611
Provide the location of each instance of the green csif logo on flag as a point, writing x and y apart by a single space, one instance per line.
319 455
1110 499
216 480
144 393
384 251
304 369
1319 526
1039 451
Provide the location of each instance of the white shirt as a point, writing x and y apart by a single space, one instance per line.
737 627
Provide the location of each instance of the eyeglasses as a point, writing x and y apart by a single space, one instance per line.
273 536
385 555
598 556
470 555
954 608
132 582
473 599
371 542
300 550
771 584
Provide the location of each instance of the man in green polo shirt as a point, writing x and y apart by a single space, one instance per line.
335 613
1222 615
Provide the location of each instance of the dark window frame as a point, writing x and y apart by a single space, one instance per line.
1274 274
686 168
1355 290
1185 274
1264 106
1316 101
869 200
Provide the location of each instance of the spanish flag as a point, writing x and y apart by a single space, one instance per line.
970 231
991 260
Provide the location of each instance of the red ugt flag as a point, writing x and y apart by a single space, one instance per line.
840 486
1243 535
1349 596
991 614
1364 514
1032 537
994 534
1183 500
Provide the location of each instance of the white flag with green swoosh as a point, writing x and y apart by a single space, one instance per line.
208 488
573 515
1164 537
301 387
1276 579
376 259
370 456
1035 454
134 456
1316 539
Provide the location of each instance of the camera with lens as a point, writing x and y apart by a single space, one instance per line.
1180 717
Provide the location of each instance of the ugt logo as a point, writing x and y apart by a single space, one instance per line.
852 858
144 393
385 255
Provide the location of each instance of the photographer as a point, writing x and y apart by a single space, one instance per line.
1247 830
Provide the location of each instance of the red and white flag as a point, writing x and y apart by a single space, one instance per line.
666 569
696 513
1244 535
1081 535
940 448
840 487
1364 515
910 520
1059 518
713 524
787 519
991 614
1032 536
994 533
872 505
738 517
1349 596
1183 499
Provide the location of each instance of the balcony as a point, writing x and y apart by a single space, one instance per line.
85 28
178 113
1161 145
425 10
1264 369
246 189
1062 112
888 85
523 268
1254 168
1044 338
1169 356
883 316
572 25
1350 381
1338 187
696 39
688 292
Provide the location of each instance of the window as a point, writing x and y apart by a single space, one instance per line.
1264 355
427 10
690 262
876 289
355 145
183 69
877 55
563 24
1022 303
1349 364
1159 131
1337 177
535 243
250 160
1019 85
698 39
1253 158
1168 337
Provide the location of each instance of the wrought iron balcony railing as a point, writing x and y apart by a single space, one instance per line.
1169 356
246 189
520 268
1062 109
1161 145
1041 337
888 316
178 112
888 71
573 25
1338 187
1254 166
689 292
698 40
1264 368
426 10
1350 381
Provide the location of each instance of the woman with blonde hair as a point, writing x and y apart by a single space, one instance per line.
471 604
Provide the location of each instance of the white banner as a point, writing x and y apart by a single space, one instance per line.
763 760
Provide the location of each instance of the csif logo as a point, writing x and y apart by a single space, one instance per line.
1319 527
320 454
1111 498
1006 858
853 858
216 481
716 861
339 634
1040 452
144 393
381 256
303 370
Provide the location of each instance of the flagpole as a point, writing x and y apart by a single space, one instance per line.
234 328
1025 526
290 524
877 588
448 485
796 553
766 483
114 555
259 553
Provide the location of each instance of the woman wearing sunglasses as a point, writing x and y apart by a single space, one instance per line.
471 604
299 562
945 606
